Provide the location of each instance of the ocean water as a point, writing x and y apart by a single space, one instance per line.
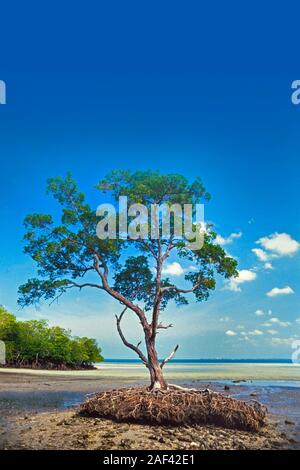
275 372
206 361
271 371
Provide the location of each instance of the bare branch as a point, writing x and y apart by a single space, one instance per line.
185 389
169 357
56 298
86 284
170 246
118 296
97 267
71 285
147 246
180 291
90 268
157 299
184 291
130 345
161 257
164 327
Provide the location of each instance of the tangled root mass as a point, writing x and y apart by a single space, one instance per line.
175 407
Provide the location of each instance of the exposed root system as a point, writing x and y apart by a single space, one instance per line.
175 407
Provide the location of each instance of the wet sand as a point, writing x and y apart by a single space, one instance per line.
38 411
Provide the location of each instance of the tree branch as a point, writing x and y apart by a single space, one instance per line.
181 291
74 284
170 246
161 257
97 267
86 284
147 246
169 357
164 327
130 345
123 300
158 295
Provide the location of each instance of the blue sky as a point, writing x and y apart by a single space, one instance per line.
191 90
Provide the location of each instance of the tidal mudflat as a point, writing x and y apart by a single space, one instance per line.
39 409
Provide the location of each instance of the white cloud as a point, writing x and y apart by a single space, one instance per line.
220 240
226 241
279 322
259 312
282 341
230 333
272 332
280 291
174 269
225 319
266 324
245 275
268 265
298 320
264 257
279 244
256 333
261 254
252 333
193 268
245 335
284 323
275 245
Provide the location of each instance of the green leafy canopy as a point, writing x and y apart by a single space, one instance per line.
70 255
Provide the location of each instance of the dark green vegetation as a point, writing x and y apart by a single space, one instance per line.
34 344
69 255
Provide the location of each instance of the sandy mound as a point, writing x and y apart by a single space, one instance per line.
175 407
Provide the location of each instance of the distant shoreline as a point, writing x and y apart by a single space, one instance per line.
43 367
208 361
281 373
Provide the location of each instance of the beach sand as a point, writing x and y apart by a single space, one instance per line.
38 411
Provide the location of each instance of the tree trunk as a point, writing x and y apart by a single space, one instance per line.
157 380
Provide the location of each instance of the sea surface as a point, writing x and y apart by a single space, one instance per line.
275 372
272 372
